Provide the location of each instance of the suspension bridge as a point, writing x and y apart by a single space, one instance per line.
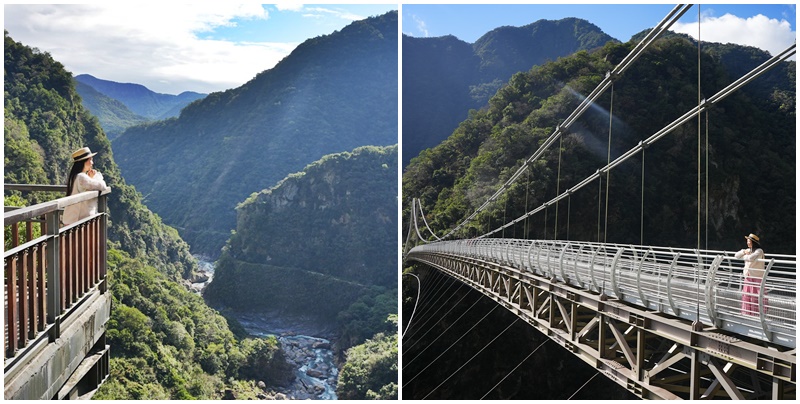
662 322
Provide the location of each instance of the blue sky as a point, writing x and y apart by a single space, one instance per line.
469 22
171 48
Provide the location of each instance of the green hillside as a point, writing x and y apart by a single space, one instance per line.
113 115
317 241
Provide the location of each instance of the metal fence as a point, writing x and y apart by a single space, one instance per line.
699 285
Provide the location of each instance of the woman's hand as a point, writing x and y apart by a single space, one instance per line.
91 173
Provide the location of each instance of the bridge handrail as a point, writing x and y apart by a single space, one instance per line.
47 276
698 285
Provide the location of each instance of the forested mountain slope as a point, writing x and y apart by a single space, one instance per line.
165 342
114 116
331 94
443 78
318 240
751 167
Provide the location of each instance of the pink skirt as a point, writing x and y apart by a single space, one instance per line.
750 292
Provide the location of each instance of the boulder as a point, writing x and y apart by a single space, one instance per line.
322 345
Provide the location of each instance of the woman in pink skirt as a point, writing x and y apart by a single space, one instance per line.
753 257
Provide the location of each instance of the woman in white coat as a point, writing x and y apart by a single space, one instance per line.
83 177
753 257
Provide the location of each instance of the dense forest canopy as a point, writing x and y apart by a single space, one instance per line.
751 164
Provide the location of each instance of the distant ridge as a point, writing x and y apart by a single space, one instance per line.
445 77
141 100
113 115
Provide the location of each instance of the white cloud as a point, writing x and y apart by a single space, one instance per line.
421 26
317 12
162 50
759 31
289 6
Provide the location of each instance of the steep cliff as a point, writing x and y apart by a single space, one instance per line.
316 241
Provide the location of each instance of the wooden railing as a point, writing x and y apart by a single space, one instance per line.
47 275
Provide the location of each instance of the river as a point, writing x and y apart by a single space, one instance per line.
305 344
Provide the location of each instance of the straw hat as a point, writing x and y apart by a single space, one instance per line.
82 154
753 237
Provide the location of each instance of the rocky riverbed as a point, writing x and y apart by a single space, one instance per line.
312 357
306 344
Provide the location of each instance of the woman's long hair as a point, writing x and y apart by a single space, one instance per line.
77 167
756 246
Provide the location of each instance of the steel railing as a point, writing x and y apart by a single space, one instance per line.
698 285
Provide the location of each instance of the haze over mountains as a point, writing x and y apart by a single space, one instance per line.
445 77
332 94
122 105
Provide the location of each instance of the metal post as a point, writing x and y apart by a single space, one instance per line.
102 207
53 219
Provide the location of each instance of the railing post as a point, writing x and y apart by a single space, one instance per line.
53 220
102 207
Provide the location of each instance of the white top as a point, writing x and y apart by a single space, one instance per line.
752 266
84 209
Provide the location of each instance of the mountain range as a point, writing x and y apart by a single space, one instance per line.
141 100
445 77
333 93
121 105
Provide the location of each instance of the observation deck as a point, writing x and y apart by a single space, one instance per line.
56 300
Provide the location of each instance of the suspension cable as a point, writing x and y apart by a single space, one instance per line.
706 204
699 133
424 311
438 308
451 345
699 176
608 173
569 209
584 385
505 210
410 226
473 357
641 209
421 213
558 184
430 344
515 368
410 319
599 198
527 185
